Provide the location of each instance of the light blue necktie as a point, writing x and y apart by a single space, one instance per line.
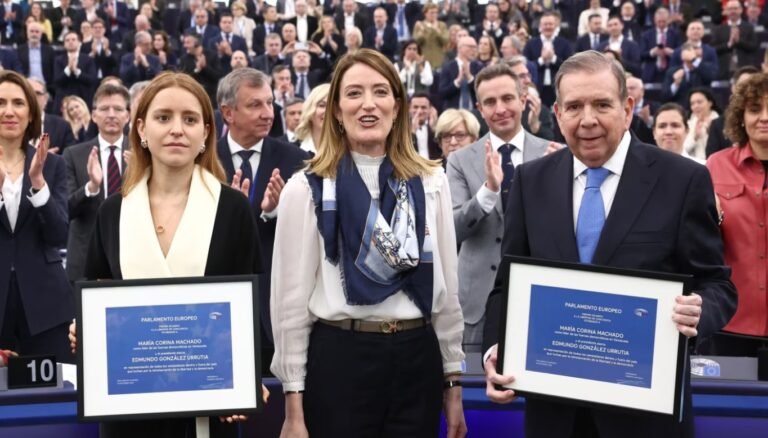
591 214
400 22
465 99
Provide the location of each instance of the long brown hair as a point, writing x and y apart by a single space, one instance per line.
35 122
141 158
399 144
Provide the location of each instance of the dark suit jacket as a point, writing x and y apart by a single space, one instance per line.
643 230
633 29
207 77
209 33
131 73
630 55
83 85
389 44
10 61
697 77
260 34
238 43
59 132
360 21
265 64
708 59
412 14
717 140
651 72
451 94
274 155
746 48
56 14
584 42
106 63
16 25
314 77
82 209
433 149
33 250
532 51
311 26
47 55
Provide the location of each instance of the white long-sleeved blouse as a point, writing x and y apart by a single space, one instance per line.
305 286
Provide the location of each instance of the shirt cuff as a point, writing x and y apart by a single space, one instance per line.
673 88
88 193
487 198
41 197
266 217
67 71
487 355
696 62
453 367
293 386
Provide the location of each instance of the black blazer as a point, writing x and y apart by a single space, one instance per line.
59 132
452 94
389 41
83 85
106 63
746 48
233 249
274 155
663 218
260 35
311 25
360 21
56 14
584 42
33 250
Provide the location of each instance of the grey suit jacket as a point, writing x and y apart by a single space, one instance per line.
478 232
82 209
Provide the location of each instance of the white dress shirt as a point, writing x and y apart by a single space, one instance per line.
308 145
615 165
302 28
349 22
487 198
422 140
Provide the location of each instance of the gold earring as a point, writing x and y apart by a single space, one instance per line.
144 143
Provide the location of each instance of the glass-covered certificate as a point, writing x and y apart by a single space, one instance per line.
166 348
594 335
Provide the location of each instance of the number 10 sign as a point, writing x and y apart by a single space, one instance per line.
32 372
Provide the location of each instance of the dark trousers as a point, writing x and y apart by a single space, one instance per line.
15 334
373 385
171 428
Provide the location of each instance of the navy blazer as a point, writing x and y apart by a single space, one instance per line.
209 34
448 89
46 53
647 42
17 34
130 73
708 59
563 50
83 85
260 34
274 155
412 14
10 61
107 63
389 44
630 55
702 76
32 249
663 218
584 42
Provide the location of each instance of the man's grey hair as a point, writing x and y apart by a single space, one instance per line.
137 88
141 35
517 60
39 81
229 85
592 61
516 43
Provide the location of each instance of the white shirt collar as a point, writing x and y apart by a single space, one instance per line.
615 164
518 140
308 145
235 147
104 144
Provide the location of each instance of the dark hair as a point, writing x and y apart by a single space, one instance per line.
746 70
591 16
750 92
166 41
279 69
223 14
555 14
494 71
420 94
196 36
107 90
405 46
35 122
707 93
670 106
98 20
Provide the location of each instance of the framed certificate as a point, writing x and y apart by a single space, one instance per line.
170 347
594 335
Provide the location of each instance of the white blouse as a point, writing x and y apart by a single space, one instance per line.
11 198
305 286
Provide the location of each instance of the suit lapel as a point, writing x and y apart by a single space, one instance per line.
562 209
637 182
225 157
25 206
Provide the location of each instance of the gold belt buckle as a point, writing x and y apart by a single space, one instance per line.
391 326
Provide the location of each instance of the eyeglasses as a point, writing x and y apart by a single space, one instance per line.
459 137
116 109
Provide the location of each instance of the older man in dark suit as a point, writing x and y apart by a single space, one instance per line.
611 200
548 51
94 171
36 58
265 162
